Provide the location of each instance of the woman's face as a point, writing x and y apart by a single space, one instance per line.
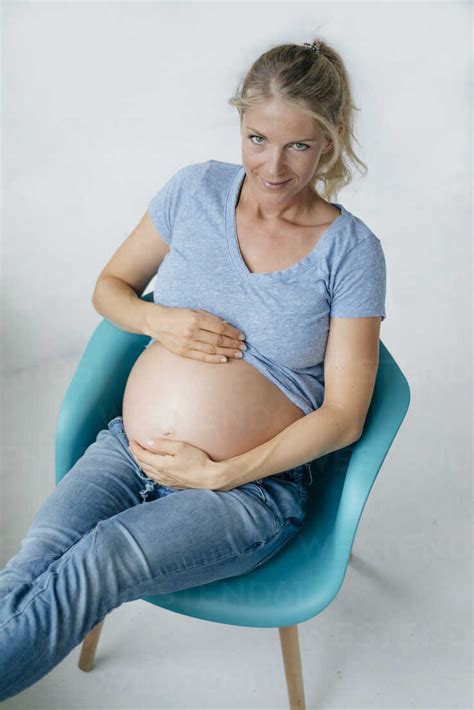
280 143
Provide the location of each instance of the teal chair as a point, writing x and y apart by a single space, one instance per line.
304 577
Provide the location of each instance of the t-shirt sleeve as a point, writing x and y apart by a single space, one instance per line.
359 285
165 205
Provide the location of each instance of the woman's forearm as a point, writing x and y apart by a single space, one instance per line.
116 301
306 439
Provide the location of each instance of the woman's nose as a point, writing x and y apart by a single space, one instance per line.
276 168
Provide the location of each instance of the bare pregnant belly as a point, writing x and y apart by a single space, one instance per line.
224 409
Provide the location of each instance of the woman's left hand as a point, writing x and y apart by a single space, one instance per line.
175 463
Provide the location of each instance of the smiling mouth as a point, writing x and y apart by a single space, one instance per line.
275 185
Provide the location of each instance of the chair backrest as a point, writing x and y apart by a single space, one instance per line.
342 479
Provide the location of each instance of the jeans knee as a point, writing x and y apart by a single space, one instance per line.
119 555
104 537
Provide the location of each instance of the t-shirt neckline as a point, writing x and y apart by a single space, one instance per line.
236 255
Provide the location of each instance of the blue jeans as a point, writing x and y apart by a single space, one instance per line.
108 534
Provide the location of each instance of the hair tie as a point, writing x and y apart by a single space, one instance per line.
315 46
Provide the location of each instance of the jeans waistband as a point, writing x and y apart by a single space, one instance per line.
116 427
299 474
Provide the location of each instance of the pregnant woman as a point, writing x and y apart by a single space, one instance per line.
205 474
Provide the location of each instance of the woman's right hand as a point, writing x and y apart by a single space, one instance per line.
194 333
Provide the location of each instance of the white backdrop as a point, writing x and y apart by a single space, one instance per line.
103 102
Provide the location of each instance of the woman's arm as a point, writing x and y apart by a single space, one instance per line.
117 301
126 275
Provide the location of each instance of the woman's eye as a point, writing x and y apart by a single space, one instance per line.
305 146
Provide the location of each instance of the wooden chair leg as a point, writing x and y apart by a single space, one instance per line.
89 645
290 648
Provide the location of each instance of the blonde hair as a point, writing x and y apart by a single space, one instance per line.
319 84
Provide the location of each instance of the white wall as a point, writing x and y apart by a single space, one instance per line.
102 102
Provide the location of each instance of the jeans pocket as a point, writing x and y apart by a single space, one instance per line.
257 488
287 499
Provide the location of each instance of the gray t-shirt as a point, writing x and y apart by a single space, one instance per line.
283 314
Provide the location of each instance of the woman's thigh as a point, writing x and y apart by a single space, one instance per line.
188 537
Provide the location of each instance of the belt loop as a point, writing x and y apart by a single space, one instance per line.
145 491
308 466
